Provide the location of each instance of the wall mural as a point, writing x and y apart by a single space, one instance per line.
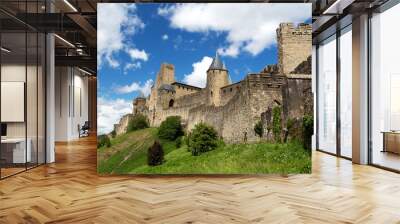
204 88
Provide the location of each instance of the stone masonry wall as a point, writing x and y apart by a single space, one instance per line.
161 115
191 100
265 93
296 94
181 90
120 128
294 46
228 92
235 120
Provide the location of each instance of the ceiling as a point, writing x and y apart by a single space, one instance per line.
75 22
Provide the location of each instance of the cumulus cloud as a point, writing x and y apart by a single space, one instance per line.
132 66
136 54
112 33
164 37
109 111
248 27
145 89
198 77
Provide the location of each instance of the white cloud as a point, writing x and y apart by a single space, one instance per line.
232 50
136 54
248 27
136 87
198 77
163 11
164 37
109 113
115 22
132 66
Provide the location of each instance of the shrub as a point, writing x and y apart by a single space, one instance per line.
137 122
103 140
290 124
155 154
186 139
259 129
269 128
178 142
113 134
203 138
290 129
277 123
171 128
308 130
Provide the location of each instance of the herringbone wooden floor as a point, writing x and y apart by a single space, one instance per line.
70 191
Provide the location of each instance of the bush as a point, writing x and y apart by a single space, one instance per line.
113 134
178 142
171 128
137 122
308 130
203 138
103 140
259 129
290 124
186 139
290 129
277 123
155 154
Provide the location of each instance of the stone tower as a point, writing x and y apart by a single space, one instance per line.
294 46
166 75
217 77
139 105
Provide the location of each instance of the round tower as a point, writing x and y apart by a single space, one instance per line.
217 77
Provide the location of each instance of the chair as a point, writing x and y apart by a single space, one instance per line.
84 130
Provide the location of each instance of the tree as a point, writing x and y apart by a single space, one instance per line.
277 123
155 154
308 130
103 140
203 138
137 122
171 128
113 133
259 129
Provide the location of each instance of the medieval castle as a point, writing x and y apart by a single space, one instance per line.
234 108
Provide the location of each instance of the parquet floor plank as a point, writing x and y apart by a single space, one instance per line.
70 191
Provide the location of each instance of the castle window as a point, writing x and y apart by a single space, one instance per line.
211 93
171 103
230 89
224 91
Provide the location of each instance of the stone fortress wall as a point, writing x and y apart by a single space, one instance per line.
234 109
121 127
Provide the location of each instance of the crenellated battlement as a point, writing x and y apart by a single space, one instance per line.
291 29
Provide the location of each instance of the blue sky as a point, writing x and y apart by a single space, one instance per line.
134 39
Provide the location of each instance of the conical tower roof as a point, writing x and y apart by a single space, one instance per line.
217 63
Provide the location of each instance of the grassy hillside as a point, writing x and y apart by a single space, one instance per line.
128 155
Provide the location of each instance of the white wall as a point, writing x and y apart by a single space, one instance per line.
71 94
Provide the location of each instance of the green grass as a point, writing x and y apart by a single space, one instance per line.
128 155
